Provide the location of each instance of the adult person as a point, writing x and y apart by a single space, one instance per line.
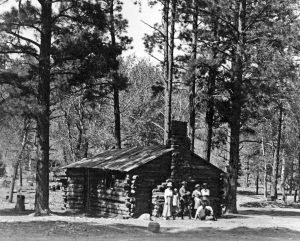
204 210
184 199
205 192
168 195
196 195
175 203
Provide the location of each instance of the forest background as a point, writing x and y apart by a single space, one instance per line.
230 69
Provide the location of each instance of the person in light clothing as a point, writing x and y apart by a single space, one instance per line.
205 193
168 195
204 210
175 203
196 195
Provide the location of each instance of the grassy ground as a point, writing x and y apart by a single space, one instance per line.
257 220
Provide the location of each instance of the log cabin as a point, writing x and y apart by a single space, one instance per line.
129 182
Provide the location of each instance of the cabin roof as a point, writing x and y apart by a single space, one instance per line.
123 160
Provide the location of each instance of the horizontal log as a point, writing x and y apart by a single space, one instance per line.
110 209
112 193
75 185
111 198
78 198
109 204
74 191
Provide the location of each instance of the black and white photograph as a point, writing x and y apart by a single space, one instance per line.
143 120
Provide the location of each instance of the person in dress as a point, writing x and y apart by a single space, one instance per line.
168 195
175 203
196 195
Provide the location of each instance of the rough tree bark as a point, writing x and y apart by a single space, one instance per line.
277 157
236 106
192 89
43 117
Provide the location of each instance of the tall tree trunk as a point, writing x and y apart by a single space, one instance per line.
257 181
192 90
291 184
282 180
117 117
68 123
171 61
265 168
13 181
43 118
236 106
167 121
299 174
210 113
212 75
248 172
276 157
20 174
117 114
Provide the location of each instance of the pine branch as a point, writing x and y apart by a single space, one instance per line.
156 29
23 38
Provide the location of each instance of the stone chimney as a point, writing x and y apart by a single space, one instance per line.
181 155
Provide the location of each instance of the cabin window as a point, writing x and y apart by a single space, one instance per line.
110 181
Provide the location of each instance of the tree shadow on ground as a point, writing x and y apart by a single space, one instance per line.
233 216
240 233
282 213
248 193
13 212
64 228
80 231
272 204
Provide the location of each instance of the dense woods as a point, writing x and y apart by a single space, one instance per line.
228 68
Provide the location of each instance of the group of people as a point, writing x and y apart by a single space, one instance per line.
197 204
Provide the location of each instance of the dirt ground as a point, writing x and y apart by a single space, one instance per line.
257 220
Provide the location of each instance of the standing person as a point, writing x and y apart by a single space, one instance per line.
184 194
205 193
196 195
175 203
167 211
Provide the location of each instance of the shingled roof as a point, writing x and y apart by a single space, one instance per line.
123 160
